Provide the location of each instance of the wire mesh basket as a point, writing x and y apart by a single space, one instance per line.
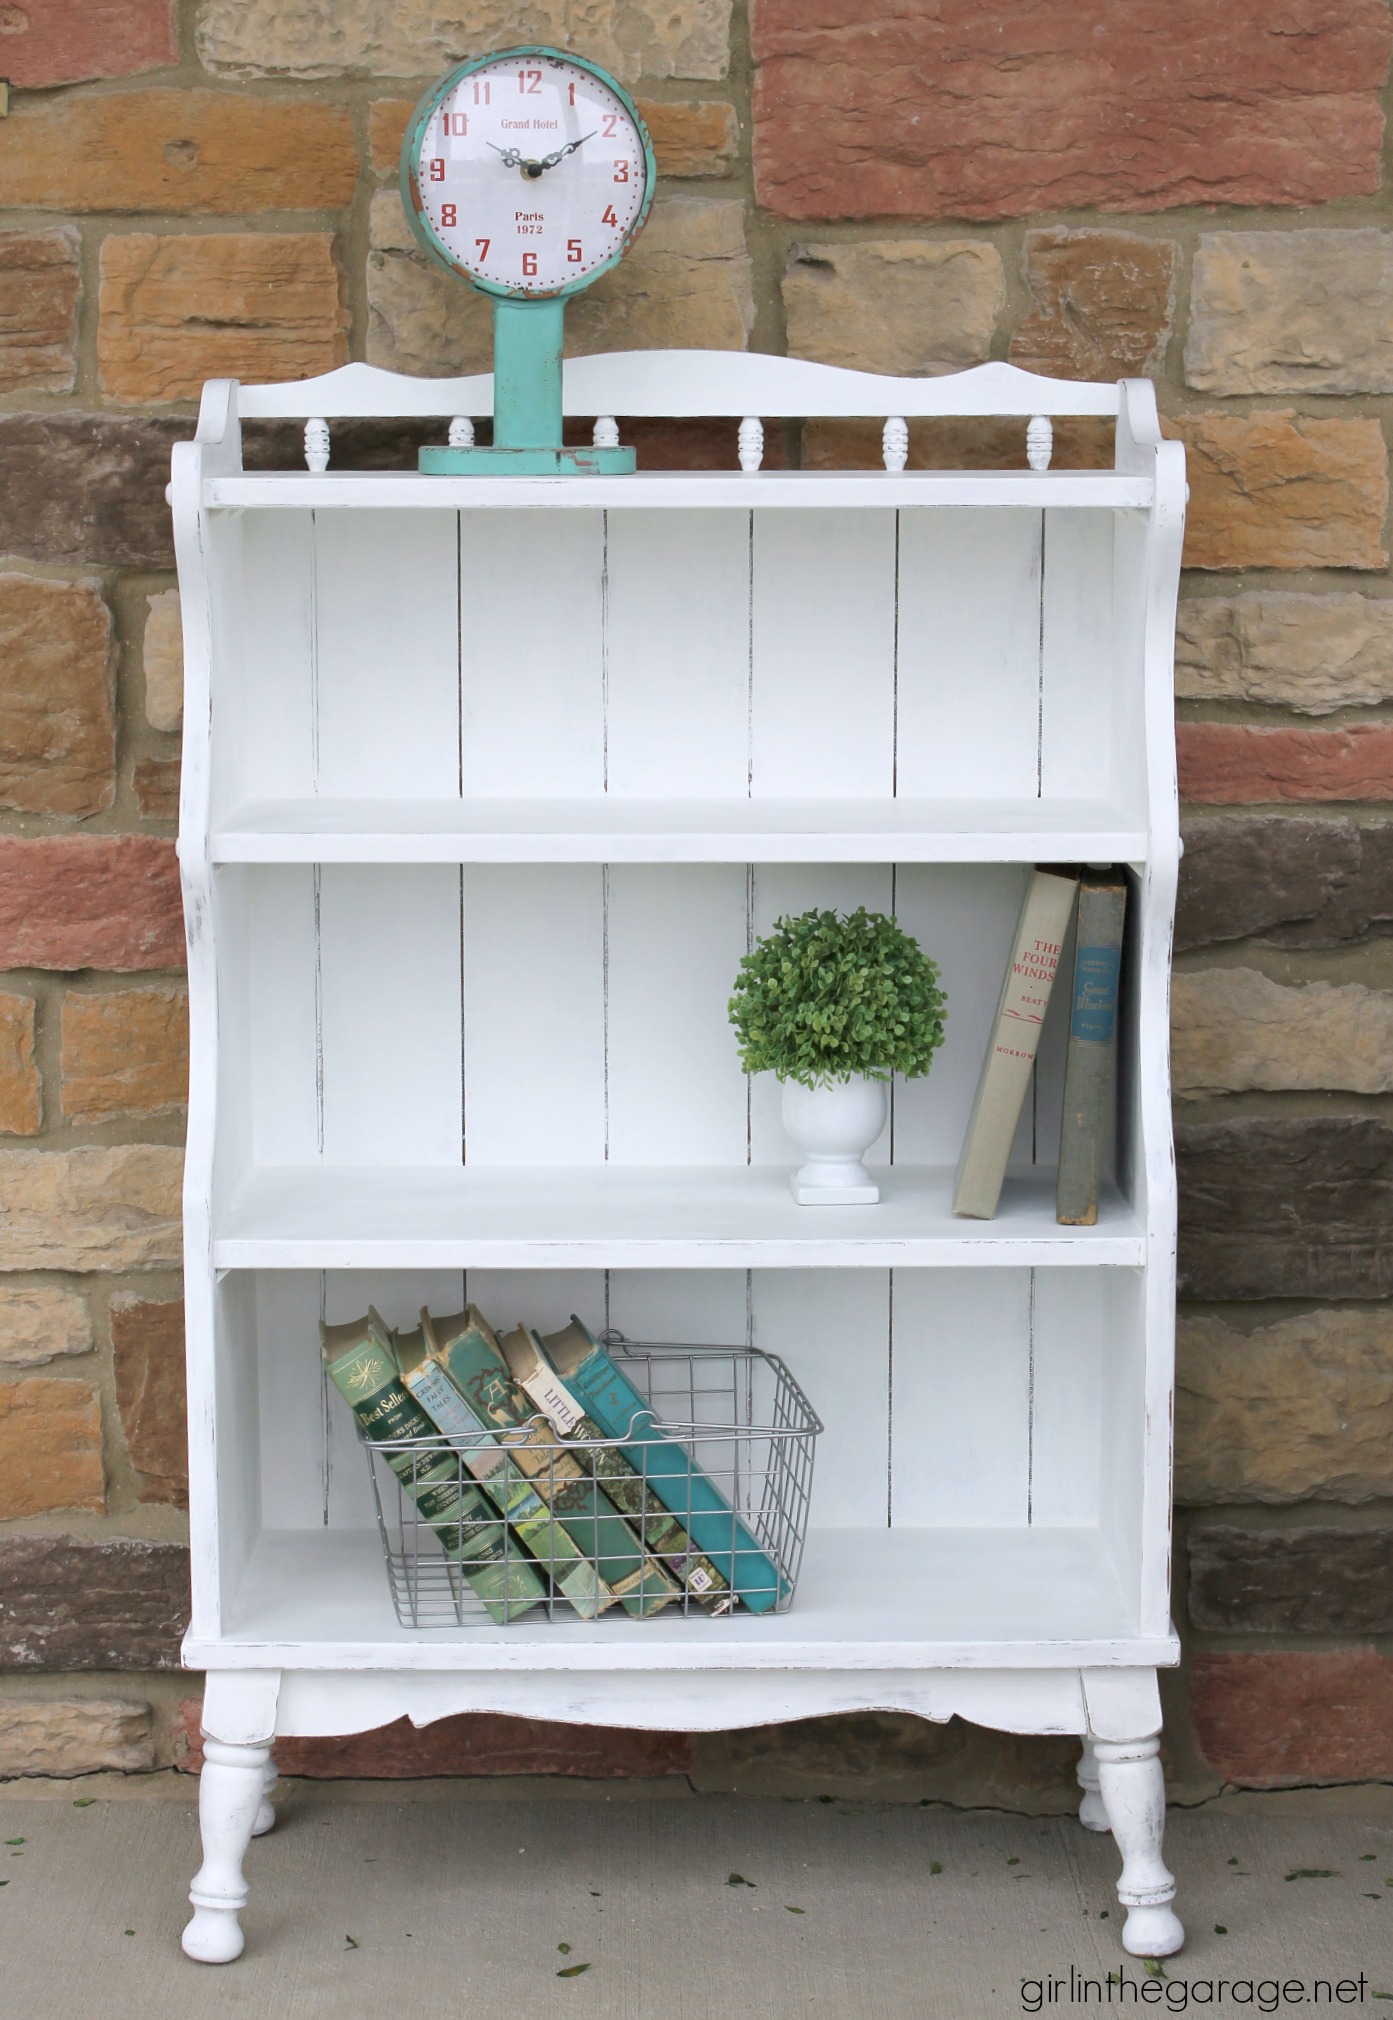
701 1507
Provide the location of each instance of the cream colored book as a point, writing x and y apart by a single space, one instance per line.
1011 1048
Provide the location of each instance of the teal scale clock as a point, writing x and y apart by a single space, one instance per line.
528 173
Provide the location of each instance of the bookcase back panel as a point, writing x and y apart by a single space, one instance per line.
951 1399
928 653
577 1014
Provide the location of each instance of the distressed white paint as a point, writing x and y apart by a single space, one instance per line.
486 783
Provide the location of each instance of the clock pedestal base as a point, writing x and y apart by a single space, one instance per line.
582 461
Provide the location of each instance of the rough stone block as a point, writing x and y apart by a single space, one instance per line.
163 658
21 1092
40 283
92 1208
894 305
87 489
1234 1031
39 1323
57 725
687 284
67 1603
75 1736
125 1052
90 901
1235 764
1280 490
147 1345
1309 653
156 783
66 41
1271 1721
473 1743
1286 881
238 305
50 1447
967 112
1102 304
1283 1207
1292 312
195 151
691 136
421 38
1289 1411
1291 1581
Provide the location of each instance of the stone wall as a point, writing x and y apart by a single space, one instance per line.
1193 192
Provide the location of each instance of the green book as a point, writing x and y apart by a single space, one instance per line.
468 1348
1090 1061
363 1368
485 1456
661 1532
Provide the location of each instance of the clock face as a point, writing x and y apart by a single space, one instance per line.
528 173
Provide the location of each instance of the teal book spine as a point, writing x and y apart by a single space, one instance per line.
676 1478
1090 1063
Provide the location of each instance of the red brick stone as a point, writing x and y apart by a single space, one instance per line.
475 1743
1231 764
90 901
951 109
1273 1720
63 41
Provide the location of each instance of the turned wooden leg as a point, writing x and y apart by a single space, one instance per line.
1134 1798
266 1815
1092 1814
231 1793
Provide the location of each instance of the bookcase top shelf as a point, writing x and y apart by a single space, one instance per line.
641 1217
611 829
684 490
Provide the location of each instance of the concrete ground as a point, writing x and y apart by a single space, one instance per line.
462 1899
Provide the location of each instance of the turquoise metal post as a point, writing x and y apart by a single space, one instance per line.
527 338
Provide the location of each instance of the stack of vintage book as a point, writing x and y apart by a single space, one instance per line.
1090 1062
543 1473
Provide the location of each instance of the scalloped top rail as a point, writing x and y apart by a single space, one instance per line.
680 385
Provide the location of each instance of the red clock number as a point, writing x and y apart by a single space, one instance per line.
457 123
609 217
448 214
529 265
483 244
572 89
483 93
437 170
621 171
529 82
611 125
574 256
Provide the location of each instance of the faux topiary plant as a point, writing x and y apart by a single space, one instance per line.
830 995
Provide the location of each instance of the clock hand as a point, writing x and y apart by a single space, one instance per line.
511 157
550 160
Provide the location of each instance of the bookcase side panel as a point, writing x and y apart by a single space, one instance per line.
387 654
968 706
1080 674
822 633
1128 1439
1130 564
391 1017
964 917
534 995
675 935
960 1454
237 1446
784 889
262 577
832 1327
532 654
678 654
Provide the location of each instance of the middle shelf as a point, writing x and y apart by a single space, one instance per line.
643 1217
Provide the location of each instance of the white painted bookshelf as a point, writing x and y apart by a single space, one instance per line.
487 785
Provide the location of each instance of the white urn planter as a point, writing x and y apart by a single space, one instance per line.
834 1127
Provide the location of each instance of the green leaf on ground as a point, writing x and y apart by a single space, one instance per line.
14 1841
1233 1862
827 1799
1368 1857
84 1802
1013 1862
1219 1929
1313 1873
130 1932
1373 1897
352 1942
572 1970
794 1911
564 1948
934 1866
1153 1967
739 1880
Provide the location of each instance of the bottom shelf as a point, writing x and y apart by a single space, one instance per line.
867 1599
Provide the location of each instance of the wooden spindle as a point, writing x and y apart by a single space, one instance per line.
894 443
751 443
317 445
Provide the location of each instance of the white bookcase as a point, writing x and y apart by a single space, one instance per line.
487 785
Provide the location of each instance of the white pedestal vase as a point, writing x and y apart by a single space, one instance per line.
834 1127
